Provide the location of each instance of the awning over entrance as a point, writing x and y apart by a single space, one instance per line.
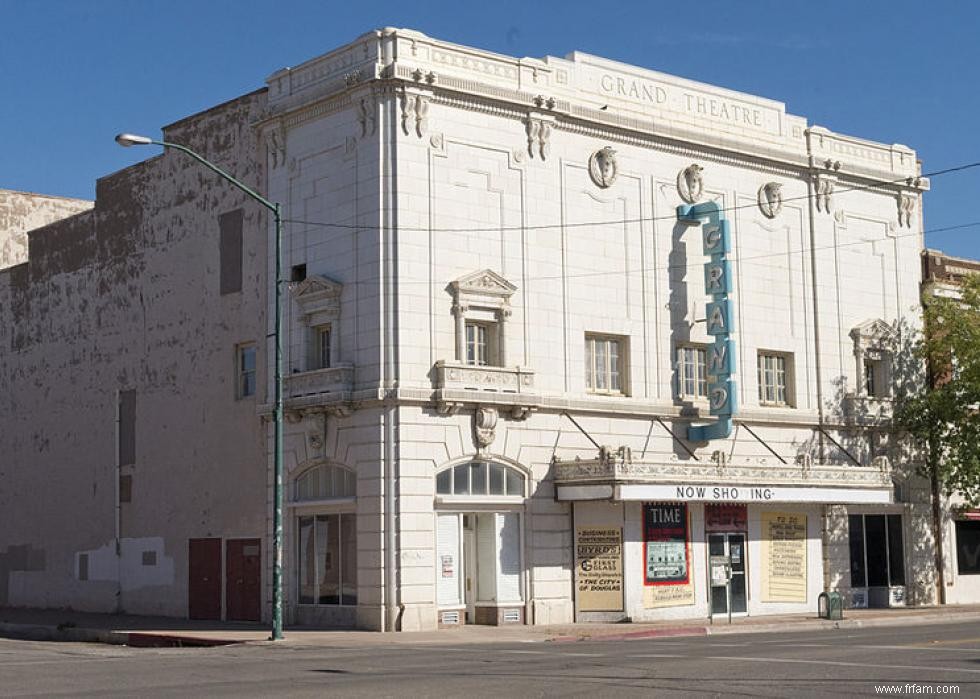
615 476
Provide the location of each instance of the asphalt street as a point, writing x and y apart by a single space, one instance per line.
850 662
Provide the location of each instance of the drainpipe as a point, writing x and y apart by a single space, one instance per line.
117 516
387 188
811 199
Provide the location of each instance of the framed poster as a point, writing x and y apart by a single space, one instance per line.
784 557
665 544
599 569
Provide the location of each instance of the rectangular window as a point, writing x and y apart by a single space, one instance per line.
246 371
127 428
968 547
322 346
230 243
327 559
775 379
478 344
692 374
876 378
605 364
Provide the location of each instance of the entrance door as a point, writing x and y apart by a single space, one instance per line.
243 579
733 546
204 578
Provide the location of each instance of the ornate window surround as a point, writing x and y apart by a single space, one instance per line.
875 340
482 296
319 302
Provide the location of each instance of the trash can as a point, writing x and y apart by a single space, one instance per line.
830 605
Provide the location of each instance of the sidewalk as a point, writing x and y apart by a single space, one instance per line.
60 625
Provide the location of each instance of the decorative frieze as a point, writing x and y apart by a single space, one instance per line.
335 379
456 375
618 468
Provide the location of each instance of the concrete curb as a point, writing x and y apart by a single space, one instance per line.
810 625
135 639
72 634
138 639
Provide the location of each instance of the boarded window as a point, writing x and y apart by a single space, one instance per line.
83 566
231 251
127 428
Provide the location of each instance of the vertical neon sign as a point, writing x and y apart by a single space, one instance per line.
716 238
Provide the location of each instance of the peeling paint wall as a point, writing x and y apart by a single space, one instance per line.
21 212
122 297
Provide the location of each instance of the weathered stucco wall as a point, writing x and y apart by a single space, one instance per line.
21 212
126 297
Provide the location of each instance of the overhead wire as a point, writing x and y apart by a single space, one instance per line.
909 179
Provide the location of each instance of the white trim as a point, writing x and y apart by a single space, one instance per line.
584 492
350 500
480 501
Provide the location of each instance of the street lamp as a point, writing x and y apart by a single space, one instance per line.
127 140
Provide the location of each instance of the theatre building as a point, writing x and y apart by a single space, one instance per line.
568 340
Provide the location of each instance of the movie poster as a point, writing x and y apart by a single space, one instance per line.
665 537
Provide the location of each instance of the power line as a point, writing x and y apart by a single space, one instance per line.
624 221
700 261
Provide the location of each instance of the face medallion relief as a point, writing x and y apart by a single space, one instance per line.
690 183
603 167
771 199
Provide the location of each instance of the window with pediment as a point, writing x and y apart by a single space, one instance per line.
481 307
874 342
319 301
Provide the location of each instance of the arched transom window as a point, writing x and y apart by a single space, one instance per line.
324 482
481 478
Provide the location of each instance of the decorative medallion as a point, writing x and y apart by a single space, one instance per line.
690 183
771 199
603 167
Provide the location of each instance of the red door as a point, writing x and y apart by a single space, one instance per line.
243 580
204 578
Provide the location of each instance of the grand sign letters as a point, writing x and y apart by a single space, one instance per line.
716 238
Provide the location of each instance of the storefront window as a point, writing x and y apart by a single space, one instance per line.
665 543
876 550
968 547
327 559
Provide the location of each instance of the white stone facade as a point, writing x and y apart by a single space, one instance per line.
470 237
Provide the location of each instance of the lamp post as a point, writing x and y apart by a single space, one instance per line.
127 139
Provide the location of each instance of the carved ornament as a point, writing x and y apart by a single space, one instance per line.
771 199
538 136
690 183
603 167
906 207
484 427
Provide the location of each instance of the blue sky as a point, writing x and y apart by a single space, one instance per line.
78 72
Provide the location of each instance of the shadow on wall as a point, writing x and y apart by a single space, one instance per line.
18 558
680 328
